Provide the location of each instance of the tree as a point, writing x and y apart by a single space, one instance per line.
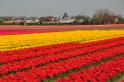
120 19
81 19
65 15
104 16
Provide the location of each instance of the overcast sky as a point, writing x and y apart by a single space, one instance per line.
57 7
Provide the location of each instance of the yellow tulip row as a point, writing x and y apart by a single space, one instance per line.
12 42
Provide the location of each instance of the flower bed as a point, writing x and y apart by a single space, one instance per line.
72 56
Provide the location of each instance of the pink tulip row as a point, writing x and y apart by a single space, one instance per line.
54 69
100 73
28 31
8 32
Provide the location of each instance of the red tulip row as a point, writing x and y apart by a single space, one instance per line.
70 49
42 49
33 62
12 56
100 73
50 70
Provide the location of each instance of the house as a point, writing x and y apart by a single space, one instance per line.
49 19
18 20
7 19
32 20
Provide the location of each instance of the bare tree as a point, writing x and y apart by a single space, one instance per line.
104 16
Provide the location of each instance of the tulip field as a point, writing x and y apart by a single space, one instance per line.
63 56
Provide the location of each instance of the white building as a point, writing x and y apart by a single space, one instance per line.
66 21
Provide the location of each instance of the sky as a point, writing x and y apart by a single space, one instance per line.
57 7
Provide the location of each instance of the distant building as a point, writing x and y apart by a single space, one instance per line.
8 22
115 19
32 20
49 19
18 20
67 21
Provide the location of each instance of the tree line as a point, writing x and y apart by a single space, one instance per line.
101 16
